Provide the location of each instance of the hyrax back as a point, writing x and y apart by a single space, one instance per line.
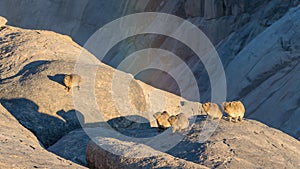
72 80
178 122
162 119
235 110
212 110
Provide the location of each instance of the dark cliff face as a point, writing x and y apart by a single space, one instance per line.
80 19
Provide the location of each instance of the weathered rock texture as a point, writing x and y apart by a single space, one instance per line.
21 149
245 145
249 144
101 158
265 74
72 146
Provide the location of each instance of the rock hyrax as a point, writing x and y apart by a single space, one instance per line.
178 122
212 110
234 109
2 21
72 80
162 119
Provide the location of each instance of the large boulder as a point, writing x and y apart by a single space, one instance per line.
248 144
72 146
98 157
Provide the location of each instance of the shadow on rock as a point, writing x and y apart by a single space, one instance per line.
27 70
73 145
133 126
58 78
48 129
73 118
191 146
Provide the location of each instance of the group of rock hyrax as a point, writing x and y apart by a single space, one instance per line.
234 110
178 122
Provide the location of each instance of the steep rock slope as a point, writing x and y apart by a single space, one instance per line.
266 75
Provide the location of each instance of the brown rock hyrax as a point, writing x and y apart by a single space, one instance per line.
3 21
162 120
178 122
234 109
72 80
212 110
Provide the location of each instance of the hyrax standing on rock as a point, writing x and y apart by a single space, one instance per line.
162 120
3 21
212 110
234 109
72 80
178 122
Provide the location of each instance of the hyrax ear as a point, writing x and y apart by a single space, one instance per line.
157 114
